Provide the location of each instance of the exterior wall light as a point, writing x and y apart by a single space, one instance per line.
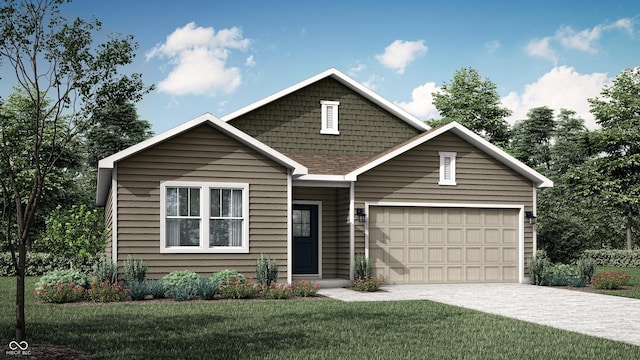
361 215
532 218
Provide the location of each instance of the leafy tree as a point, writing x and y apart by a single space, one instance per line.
67 79
617 111
473 102
75 234
531 138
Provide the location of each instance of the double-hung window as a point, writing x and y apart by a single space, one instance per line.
204 217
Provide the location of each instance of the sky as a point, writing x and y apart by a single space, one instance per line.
220 56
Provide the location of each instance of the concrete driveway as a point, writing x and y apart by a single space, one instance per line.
605 316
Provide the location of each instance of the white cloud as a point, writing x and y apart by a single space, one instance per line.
198 57
492 46
356 69
541 48
585 40
421 104
372 82
400 53
561 87
250 62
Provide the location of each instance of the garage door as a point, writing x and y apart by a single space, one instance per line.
435 245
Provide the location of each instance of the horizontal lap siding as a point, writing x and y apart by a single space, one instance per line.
344 234
414 176
200 155
108 223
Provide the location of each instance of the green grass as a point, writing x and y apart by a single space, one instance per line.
633 281
323 329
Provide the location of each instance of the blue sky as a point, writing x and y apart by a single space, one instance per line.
219 56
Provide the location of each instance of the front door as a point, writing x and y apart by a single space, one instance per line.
305 239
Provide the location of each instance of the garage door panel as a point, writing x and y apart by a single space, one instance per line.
430 245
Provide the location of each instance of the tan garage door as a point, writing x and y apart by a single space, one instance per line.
432 245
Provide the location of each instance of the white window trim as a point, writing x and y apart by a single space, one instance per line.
444 155
204 218
325 128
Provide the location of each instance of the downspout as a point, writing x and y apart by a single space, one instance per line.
114 214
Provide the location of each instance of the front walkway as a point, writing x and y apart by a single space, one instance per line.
610 317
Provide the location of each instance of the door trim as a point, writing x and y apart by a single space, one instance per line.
518 207
319 204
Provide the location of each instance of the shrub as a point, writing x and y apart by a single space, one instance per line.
563 238
180 279
275 292
237 288
105 270
560 275
537 266
66 276
206 288
156 288
617 258
222 275
138 290
586 267
183 293
304 288
134 270
266 270
367 283
106 291
610 280
36 264
363 267
59 292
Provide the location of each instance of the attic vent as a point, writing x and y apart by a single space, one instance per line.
329 117
447 168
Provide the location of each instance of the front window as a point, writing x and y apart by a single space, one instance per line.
191 210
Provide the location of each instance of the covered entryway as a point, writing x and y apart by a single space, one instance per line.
444 244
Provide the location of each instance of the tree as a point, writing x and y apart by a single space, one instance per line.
617 111
473 102
531 138
55 59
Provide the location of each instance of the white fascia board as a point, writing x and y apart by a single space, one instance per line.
538 179
345 80
105 165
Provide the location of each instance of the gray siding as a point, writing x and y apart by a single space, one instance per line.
108 223
414 176
292 124
202 154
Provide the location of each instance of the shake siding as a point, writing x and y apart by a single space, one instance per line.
343 259
414 176
292 124
200 155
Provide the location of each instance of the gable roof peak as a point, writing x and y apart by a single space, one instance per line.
344 80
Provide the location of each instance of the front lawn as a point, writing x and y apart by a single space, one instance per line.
288 329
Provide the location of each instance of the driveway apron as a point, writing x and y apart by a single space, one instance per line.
611 317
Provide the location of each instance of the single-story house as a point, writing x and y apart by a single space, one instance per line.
314 175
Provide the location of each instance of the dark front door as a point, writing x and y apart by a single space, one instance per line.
305 239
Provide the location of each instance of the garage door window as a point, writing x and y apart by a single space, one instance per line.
447 168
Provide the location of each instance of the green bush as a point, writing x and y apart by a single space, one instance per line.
66 276
156 288
206 288
363 267
183 293
266 270
37 264
134 270
105 270
562 238
138 290
537 266
180 279
304 288
560 275
222 275
586 267
611 257
237 288
275 291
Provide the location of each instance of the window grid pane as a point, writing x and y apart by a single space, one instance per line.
226 219
182 216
